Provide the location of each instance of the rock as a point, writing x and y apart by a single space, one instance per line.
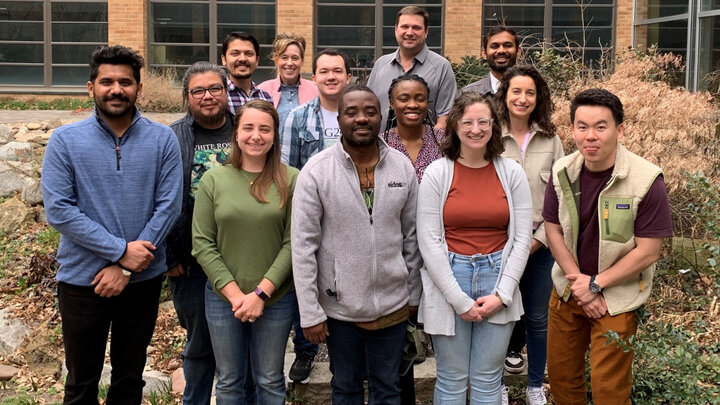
32 192
178 381
12 333
13 214
21 131
40 216
174 364
155 381
41 357
34 126
17 151
8 372
150 349
5 134
10 182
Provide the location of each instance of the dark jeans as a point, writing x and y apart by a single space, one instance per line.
86 320
198 359
356 352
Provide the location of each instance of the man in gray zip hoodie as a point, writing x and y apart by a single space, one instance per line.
355 256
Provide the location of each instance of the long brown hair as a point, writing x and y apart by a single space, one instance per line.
274 171
451 143
544 106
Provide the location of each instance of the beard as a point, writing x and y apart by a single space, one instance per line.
102 104
511 59
211 121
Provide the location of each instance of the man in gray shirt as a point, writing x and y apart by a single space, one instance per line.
413 56
500 49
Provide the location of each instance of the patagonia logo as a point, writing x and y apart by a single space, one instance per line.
622 206
395 184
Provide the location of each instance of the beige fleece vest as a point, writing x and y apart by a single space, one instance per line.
617 209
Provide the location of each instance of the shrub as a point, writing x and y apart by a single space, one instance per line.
161 92
704 213
470 69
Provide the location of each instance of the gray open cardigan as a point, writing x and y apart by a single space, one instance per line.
442 296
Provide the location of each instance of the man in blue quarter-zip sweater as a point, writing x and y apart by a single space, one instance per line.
111 185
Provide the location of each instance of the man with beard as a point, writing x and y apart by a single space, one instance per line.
413 56
500 49
240 56
111 186
355 257
205 135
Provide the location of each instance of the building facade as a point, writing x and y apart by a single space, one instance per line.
45 44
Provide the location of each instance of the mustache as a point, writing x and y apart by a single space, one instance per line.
118 97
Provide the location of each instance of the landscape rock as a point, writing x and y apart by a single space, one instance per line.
10 182
40 216
178 381
12 333
33 137
5 134
32 192
17 151
34 126
42 358
13 214
8 372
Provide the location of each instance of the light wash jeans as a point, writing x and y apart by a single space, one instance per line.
265 339
477 351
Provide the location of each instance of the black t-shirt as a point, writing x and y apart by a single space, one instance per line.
653 218
212 148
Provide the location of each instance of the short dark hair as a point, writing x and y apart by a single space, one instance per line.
451 143
356 87
413 10
115 55
331 52
199 68
598 97
406 77
244 36
498 29
544 106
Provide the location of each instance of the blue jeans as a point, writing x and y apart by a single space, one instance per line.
477 351
300 344
355 353
535 287
263 340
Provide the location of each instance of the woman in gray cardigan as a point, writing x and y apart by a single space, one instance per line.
474 230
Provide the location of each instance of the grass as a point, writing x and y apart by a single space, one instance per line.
7 103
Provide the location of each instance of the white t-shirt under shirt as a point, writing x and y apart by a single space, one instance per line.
331 129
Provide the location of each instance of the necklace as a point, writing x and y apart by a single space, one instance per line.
246 177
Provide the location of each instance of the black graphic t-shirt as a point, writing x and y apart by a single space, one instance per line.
212 148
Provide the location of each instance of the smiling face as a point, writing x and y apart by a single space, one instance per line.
411 32
596 136
409 103
521 97
474 139
255 133
330 76
240 59
114 91
288 64
501 51
208 111
359 118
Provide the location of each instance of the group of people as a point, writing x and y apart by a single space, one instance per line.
346 212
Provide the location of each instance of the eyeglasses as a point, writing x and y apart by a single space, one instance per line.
199 92
483 123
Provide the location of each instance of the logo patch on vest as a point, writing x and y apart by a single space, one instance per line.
395 184
622 206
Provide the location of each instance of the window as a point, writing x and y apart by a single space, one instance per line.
44 43
184 32
581 24
365 29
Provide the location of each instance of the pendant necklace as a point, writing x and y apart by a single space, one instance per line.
246 177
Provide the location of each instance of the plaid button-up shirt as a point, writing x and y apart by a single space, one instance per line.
237 96
302 134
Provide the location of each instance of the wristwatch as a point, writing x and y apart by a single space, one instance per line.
125 272
260 293
594 287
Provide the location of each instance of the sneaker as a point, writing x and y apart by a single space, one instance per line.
535 396
300 369
514 363
505 395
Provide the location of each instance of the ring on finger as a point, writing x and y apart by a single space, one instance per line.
251 319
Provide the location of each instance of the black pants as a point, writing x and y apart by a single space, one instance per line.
86 320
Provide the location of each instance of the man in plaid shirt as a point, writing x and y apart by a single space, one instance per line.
240 55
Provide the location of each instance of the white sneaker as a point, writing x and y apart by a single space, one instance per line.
505 395
535 396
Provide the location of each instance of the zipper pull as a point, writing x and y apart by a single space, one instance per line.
370 212
117 155
606 216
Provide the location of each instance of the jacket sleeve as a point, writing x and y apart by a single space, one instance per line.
558 153
306 234
431 237
168 188
513 269
411 253
60 199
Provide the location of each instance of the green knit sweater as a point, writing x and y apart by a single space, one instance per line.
235 237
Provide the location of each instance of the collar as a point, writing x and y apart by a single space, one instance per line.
534 129
232 86
345 158
494 83
277 82
99 120
421 57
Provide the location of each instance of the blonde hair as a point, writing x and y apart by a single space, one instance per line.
285 39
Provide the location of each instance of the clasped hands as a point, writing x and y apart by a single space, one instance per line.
110 281
593 304
482 308
247 307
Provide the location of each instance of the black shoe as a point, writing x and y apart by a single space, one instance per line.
514 363
300 369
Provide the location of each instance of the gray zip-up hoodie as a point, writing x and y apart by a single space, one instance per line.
349 263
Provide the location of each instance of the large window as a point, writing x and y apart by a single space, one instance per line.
365 29
183 32
580 24
44 43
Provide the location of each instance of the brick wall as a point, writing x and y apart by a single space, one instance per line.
463 28
297 17
624 25
127 24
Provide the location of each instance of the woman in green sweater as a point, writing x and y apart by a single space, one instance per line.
241 238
